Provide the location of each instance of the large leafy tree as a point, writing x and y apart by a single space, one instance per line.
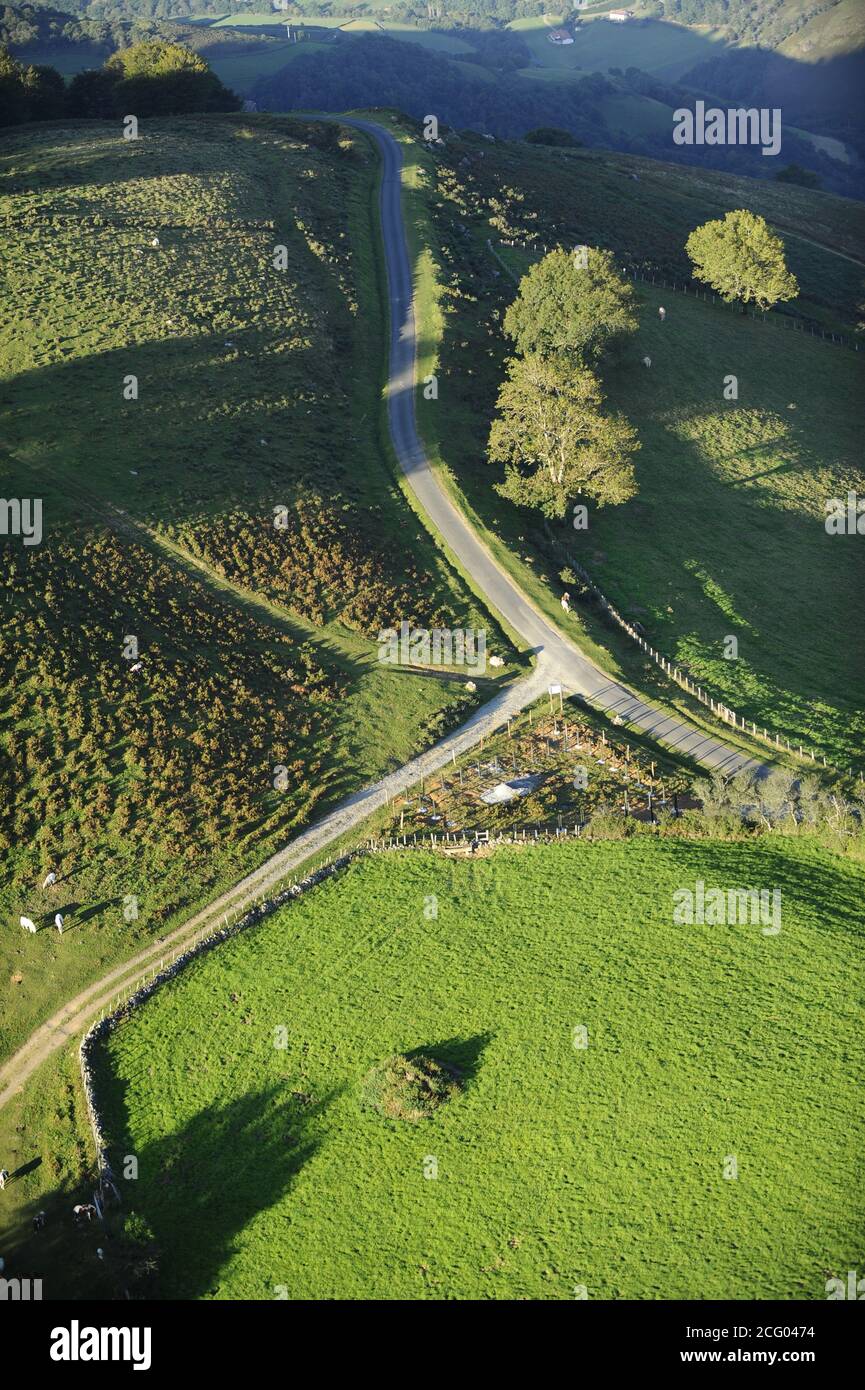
555 441
566 307
158 78
29 93
742 259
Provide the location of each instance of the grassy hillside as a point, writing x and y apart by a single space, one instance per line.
732 494
258 388
666 50
559 1165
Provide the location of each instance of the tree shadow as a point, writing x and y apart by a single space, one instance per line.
463 1055
199 1186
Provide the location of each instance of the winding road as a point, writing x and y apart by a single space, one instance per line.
558 660
557 657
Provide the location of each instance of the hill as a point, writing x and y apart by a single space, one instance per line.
732 493
198 414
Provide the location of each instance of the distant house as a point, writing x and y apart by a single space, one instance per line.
560 36
620 16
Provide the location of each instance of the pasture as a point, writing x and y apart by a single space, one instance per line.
665 50
644 1110
167 388
732 492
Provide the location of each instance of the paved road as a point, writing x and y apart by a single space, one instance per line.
70 1020
559 659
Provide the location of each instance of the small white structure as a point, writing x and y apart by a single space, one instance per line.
560 36
509 791
620 16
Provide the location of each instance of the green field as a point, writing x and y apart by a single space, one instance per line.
663 49
732 494
241 71
257 388
557 1166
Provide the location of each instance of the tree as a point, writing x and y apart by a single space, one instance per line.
794 173
565 306
91 93
158 78
554 440
552 135
11 89
742 259
45 93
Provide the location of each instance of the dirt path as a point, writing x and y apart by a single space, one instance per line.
70 1021
557 660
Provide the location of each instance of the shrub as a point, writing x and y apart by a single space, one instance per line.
409 1088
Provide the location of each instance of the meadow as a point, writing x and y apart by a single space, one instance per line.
257 390
665 50
732 493
649 1110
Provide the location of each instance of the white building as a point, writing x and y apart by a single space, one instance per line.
620 16
560 36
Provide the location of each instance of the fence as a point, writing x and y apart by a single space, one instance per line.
206 942
717 707
781 319
107 1023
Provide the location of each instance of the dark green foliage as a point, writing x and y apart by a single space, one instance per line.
154 78
794 173
409 1088
550 135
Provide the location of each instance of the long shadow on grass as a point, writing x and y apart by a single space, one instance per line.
200 1186
766 863
462 1054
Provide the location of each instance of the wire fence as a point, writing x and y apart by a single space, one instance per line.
782 319
721 710
732 718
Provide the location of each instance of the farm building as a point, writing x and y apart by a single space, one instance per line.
620 16
560 36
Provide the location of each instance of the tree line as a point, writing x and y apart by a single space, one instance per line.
154 78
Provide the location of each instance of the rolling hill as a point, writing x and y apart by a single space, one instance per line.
198 412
